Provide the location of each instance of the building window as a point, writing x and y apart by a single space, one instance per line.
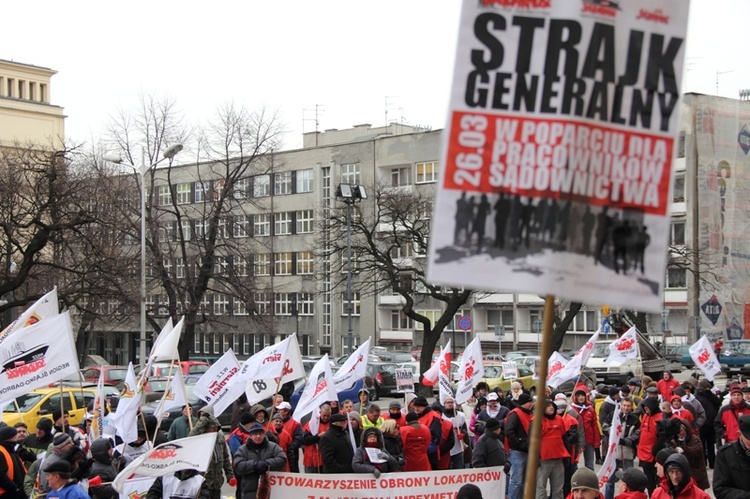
676 277
260 302
345 261
355 304
241 188
197 342
246 344
678 195
282 304
500 318
677 236
187 230
262 264
404 250
399 320
304 221
239 266
304 262
165 195
261 186
282 183
218 189
427 172
206 343
200 228
167 264
223 231
282 263
305 181
183 193
221 304
400 177
197 264
350 174
585 321
217 343
282 224
179 268
201 188
220 266
257 342
241 226
306 304
262 224
239 307
166 233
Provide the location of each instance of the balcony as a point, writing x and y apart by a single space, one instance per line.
396 335
391 300
507 299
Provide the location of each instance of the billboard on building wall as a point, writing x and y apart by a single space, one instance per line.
721 135
557 162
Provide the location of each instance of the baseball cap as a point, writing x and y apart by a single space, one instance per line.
634 478
492 396
284 405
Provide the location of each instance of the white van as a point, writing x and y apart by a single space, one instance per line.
613 373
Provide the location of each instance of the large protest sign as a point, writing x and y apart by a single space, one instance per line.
412 485
219 385
559 146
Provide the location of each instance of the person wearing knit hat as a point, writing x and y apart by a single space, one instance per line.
61 445
727 419
517 427
489 451
416 439
239 435
584 484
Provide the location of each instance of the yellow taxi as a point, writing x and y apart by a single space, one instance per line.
494 377
42 402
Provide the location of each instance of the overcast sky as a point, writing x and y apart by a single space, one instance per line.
349 58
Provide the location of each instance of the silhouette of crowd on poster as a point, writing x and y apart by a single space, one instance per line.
519 225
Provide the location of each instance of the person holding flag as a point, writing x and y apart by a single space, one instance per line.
221 462
625 450
311 432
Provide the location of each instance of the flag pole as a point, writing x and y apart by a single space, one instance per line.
536 423
273 404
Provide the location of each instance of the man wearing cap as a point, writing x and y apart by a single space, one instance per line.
12 470
254 459
493 411
584 484
732 465
311 458
294 428
180 427
625 451
678 482
61 444
58 476
590 424
336 447
394 413
416 439
221 462
635 391
488 451
711 405
460 432
633 484
726 423
431 420
283 438
517 427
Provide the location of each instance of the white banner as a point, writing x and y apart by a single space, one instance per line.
220 385
124 418
510 370
165 346
555 370
610 463
354 368
471 370
319 389
412 485
258 389
136 488
580 359
45 307
431 375
624 348
404 380
181 454
704 357
35 356
174 395
269 362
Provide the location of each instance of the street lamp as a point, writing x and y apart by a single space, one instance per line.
170 153
350 194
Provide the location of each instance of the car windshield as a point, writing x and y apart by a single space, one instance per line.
739 347
25 402
601 350
197 369
117 374
157 385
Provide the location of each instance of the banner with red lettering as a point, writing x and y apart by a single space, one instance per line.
181 454
220 385
558 151
624 348
44 308
704 357
610 464
555 370
319 389
412 485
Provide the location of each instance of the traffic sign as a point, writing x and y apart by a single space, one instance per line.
464 323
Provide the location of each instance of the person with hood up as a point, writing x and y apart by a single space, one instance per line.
355 421
260 413
517 427
221 462
687 443
104 466
666 384
571 420
335 446
489 450
40 440
254 459
711 405
416 439
311 458
625 451
363 401
648 438
677 482
180 427
556 440
180 484
726 425
12 470
516 389
590 424
382 462
633 484
239 435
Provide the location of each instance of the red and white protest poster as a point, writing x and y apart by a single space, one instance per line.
558 151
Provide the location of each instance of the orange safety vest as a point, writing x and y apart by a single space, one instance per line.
11 470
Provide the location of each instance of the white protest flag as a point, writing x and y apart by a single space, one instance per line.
190 453
471 371
220 385
160 340
609 466
174 395
431 375
704 357
445 389
100 404
315 420
136 488
124 418
624 348
354 368
44 308
165 346
555 368
258 389
35 356
319 389
580 359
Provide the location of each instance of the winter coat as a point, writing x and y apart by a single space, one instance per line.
221 462
633 494
237 439
70 491
394 446
431 420
573 447
105 467
416 439
687 489
710 403
180 428
606 412
247 459
311 442
727 421
692 449
666 386
361 462
517 427
39 445
590 424
10 463
336 450
648 435
631 434
699 413
556 438
732 472
484 416
488 451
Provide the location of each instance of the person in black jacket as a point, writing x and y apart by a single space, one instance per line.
335 446
489 451
517 427
12 471
732 466
105 467
711 404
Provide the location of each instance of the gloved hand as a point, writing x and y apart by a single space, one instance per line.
382 455
431 449
262 467
85 464
376 473
232 482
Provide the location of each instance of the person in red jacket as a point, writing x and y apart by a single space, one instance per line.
589 422
553 452
726 423
666 384
633 483
680 411
432 420
285 439
311 459
649 422
447 439
677 482
394 413
416 439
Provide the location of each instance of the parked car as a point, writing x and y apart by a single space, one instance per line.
494 377
225 418
396 357
113 375
348 394
517 354
188 367
588 375
384 374
31 407
680 354
735 357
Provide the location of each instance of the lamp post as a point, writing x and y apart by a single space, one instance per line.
536 327
350 194
169 153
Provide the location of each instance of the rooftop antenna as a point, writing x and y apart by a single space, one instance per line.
386 109
318 111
